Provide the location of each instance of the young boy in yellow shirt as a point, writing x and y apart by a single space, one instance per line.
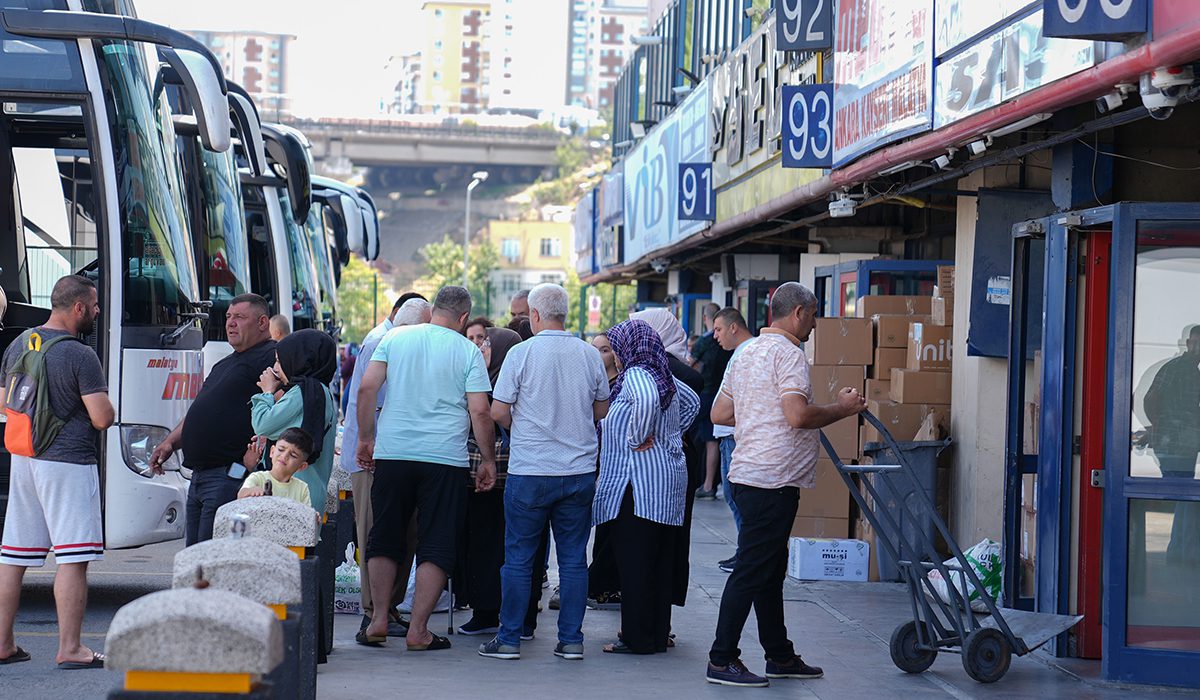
289 455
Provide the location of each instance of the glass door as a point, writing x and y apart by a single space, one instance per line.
1152 510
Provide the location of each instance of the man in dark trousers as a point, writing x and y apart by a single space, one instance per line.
215 430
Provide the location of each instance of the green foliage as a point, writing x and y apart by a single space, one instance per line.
363 300
444 262
570 155
610 313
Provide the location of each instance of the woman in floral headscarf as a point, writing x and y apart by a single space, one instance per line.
643 482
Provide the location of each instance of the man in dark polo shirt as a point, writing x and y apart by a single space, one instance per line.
216 429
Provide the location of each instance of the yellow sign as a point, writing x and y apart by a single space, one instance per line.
770 182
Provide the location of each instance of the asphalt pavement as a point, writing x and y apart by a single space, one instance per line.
843 628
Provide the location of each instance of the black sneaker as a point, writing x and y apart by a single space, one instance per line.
735 674
527 634
495 650
727 565
792 668
477 626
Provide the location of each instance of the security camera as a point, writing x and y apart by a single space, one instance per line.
976 148
941 162
1162 88
1112 100
842 206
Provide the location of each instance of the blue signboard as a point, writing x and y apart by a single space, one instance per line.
1095 19
808 126
696 201
803 25
585 233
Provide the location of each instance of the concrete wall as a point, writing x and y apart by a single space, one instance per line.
980 384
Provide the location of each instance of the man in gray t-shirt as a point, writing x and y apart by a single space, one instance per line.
550 392
54 498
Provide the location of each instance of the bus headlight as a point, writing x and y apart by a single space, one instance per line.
138 443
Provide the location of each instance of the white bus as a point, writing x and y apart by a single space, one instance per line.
91 176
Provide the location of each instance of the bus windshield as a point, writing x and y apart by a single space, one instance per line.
221 241
157 265
316 234
306 293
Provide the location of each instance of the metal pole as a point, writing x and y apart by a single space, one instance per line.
583 311
375 298
467 234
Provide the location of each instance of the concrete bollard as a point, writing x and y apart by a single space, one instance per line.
293 525
341 489
262 571
188 643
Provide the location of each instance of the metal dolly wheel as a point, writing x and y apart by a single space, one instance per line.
986 642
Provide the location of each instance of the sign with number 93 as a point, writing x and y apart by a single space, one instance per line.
807 126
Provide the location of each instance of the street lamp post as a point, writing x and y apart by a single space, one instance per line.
478 177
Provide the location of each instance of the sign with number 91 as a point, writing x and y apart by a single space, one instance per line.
696 202
808 126
803 25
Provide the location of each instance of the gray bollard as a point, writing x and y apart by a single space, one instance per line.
341 489
189 643
328 558
295 526
262 571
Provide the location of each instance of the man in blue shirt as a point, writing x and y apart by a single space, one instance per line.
437 392
551 391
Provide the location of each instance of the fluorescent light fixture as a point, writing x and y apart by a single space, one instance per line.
1018 125
899 167
623 144
646 40
681 90
637 129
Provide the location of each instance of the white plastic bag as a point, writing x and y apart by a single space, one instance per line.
443 603
984 558
347 586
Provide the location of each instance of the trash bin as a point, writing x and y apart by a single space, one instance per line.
896 488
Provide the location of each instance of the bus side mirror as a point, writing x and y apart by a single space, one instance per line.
209 103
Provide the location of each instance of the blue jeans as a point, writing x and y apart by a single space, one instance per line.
209 490
727 445
529 502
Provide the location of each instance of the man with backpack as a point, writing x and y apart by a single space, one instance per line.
55 400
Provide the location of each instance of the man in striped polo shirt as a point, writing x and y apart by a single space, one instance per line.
767 397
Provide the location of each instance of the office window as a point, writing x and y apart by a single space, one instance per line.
551 279
437 44
509 284
551 248
437 75
438 14
510 249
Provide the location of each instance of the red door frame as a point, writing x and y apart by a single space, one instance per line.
1091 498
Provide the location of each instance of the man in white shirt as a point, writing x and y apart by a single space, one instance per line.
731 333
550 392
410 309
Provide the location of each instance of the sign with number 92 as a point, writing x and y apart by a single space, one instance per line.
696 202
803 25
808 126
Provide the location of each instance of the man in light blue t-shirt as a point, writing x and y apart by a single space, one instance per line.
437 392
550 392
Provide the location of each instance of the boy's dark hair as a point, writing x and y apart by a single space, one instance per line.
299 439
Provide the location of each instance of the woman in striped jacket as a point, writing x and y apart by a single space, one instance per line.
643 482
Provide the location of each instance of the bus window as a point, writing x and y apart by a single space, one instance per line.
305 289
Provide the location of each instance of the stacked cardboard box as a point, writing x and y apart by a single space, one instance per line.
840 351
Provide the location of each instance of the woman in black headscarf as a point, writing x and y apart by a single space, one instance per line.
296 394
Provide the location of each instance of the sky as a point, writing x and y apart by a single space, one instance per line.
338 59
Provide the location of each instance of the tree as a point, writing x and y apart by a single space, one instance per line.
615 300
362 300
444 262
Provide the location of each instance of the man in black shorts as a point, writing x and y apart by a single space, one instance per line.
54 498
437 387
215 430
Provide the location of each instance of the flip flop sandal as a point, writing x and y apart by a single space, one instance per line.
96 662
370 641
16 657
617 647
437 644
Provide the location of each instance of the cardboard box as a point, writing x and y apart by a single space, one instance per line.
1029 493
908 386
902 420
891 330
818 559
828 498
885 359
1032 418
945 281
943 312
930 348
878 390
874 304
843 436
841 341
828 380
863 531
838 528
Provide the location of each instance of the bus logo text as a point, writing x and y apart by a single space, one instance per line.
181 385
